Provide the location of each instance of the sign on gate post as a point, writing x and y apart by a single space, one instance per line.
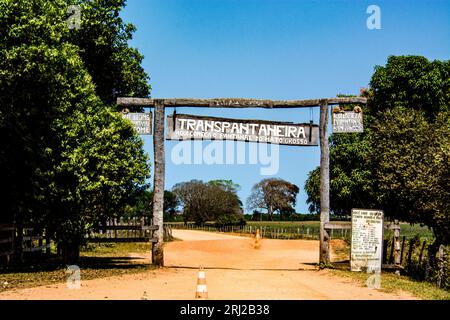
367 240
142 121
347 121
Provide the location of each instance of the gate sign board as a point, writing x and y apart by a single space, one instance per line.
142 122
367 240
347 122
189 127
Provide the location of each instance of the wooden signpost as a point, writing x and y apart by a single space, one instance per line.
158 145
189 127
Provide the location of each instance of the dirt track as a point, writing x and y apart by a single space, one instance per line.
280 269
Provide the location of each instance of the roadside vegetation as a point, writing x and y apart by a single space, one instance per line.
96 261
391 283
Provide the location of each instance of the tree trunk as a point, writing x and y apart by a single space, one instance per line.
70 251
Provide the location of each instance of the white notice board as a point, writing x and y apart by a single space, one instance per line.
367 240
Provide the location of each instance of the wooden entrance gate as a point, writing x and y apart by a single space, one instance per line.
159 106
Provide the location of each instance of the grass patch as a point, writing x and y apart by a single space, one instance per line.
114 249
392 283
410 231
96 261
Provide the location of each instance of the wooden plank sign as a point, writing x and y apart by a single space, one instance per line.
367 240
347 122
142 121
190 127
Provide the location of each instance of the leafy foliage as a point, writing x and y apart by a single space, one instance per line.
209 201
103 41
400 162
67 160
143 207
273 195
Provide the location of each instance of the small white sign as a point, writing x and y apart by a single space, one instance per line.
367 240
142 122
347 122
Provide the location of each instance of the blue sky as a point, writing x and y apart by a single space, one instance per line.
272 49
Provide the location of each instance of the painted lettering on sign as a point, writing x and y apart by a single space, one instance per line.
367 240
347 121
188 127
142 122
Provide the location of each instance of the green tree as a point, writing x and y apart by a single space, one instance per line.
67 159
203 202
351 179
410 104
144 205
410 82
103 41
411 167
400 162
273 195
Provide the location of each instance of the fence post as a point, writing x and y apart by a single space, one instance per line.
47 245
421 255
441 263
428 264
391 254
408 262
403 249
41 245
19 243
385 250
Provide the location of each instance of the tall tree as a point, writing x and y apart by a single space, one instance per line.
202 202
67 159
351 179
398 163
273 195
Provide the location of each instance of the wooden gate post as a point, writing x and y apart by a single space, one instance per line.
158 183
324 184
396 245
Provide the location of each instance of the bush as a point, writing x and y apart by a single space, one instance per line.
230 220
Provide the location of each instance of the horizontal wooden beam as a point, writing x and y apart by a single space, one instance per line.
7 253
392 267
392 226
6 240
34 249
31 238
338 226
348 225
103 240
238 102
128 227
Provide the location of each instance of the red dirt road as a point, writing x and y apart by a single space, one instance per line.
280 269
